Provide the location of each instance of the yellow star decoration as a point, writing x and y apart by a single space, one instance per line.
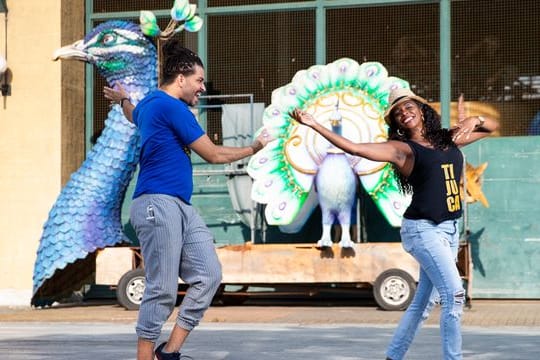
473 176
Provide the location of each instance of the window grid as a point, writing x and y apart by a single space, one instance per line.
494 59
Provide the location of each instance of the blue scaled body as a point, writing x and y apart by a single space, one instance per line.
86 214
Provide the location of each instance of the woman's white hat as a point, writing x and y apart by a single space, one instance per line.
396 97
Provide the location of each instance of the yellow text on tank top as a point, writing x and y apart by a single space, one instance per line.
452 189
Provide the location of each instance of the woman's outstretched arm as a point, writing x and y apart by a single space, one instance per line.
395 152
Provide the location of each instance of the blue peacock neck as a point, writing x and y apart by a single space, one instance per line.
138 86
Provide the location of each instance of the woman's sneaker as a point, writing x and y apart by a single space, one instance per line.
161 355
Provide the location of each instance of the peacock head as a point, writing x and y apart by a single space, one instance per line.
117 48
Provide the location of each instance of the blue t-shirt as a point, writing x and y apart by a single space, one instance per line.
167 127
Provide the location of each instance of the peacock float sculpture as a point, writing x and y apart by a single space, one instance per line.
87 214
335 184
300 169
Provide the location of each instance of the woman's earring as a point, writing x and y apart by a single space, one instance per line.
400 132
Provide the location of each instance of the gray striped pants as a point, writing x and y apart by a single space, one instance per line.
175 242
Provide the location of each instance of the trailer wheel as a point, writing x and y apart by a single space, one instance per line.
394 290
130 289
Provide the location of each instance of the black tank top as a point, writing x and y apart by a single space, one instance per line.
435 181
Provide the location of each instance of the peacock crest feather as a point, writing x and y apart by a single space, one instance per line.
182 18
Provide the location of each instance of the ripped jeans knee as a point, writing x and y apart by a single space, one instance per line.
458 302
459 297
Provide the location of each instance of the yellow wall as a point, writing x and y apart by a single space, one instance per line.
30 140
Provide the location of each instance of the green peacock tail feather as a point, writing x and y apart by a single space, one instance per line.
285 169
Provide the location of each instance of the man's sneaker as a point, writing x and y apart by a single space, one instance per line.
161 355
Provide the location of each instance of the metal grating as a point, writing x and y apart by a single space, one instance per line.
496 59
104 6
249 54
248 2
404 38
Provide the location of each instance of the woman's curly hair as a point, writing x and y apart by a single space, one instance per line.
438 137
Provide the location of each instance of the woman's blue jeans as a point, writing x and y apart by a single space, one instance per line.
435 248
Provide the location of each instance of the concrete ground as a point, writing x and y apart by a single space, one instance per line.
259 330
258 341
486 313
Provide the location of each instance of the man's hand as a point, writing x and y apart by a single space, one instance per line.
119 95
261 140
264 137
115 94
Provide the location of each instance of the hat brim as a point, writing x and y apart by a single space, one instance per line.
388 112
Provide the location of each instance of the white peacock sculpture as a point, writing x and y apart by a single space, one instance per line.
301 169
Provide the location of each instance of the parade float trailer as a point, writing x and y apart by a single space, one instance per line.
274 270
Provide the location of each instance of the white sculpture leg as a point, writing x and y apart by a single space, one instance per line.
345 241
326 240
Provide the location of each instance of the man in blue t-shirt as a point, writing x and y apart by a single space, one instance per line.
175 242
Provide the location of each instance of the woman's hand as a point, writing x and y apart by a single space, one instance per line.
303 117
465 125
462 112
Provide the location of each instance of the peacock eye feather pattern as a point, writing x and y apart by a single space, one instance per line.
86 214
350 99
